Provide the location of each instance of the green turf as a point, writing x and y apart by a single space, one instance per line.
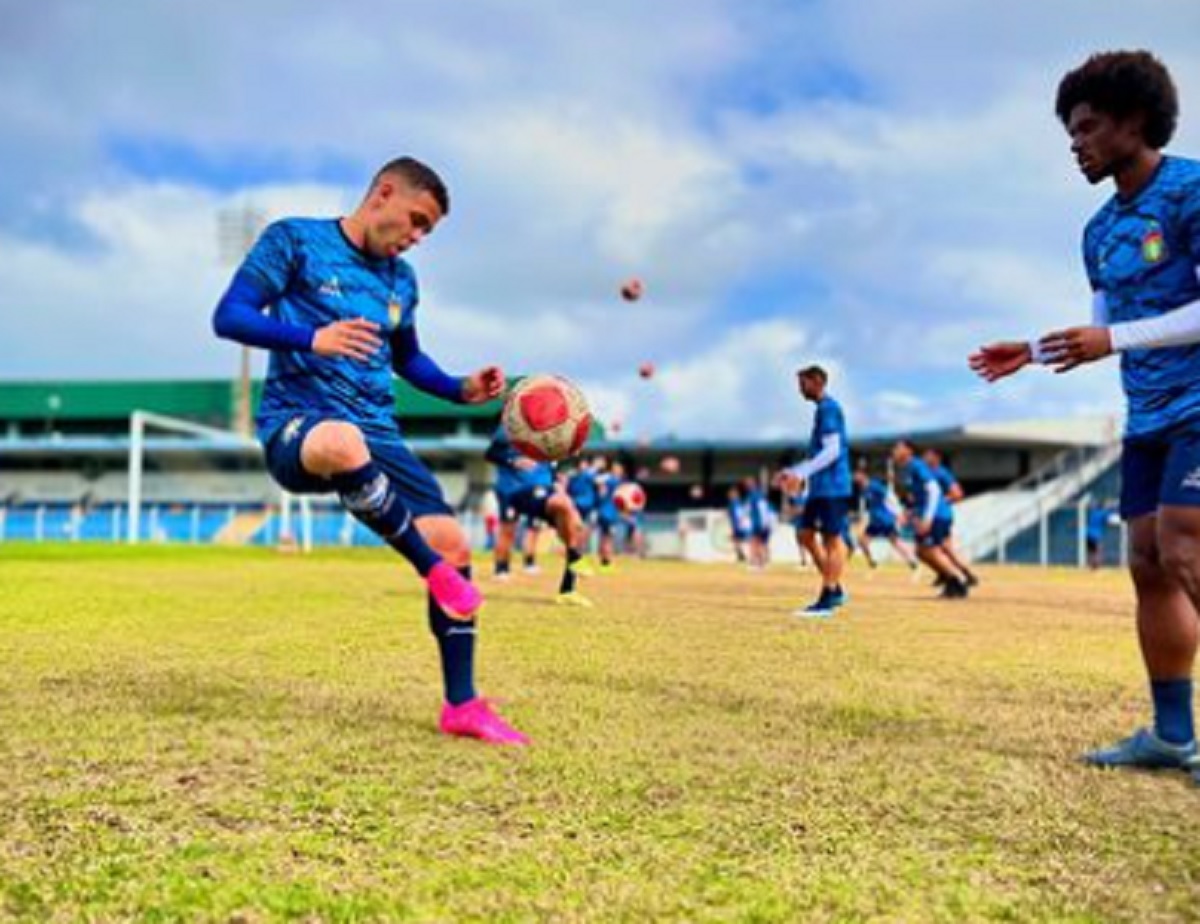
244 736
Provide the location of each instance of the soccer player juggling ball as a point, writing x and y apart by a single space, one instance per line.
1141 251
335 303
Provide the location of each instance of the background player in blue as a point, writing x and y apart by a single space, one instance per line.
608 479
335 304
1141 251
826 472
739 521
882 519
526 488
1099 516
793 513
581 486
929 513
953 493
759 511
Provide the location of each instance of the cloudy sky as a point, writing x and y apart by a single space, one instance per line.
875 185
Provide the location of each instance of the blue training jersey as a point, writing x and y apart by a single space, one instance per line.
606 489
760 511
314 276
920 477
879 512
833 480
1142 255
581 486
509 477
946 481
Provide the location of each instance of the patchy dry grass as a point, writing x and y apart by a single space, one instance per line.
239 736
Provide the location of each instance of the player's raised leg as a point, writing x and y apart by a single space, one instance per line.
338 452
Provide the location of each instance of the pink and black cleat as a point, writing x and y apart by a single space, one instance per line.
457 596
475 719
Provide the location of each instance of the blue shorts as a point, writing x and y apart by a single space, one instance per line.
1161 470
939 532
827 515
741 535
528 502
877 530
410 478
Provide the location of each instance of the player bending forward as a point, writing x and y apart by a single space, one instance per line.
335 304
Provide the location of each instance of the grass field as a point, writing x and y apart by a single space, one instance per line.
242 736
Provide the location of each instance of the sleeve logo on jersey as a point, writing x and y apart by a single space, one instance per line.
1154 245
395 312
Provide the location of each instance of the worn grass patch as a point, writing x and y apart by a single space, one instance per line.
242 736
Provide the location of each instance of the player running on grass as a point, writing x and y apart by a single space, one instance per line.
1142 252
882 519
526 488
335 303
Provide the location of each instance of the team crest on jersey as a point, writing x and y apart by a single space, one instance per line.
330 287
1154 245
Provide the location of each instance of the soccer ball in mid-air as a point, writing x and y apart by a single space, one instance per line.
546 418
631 290
629 497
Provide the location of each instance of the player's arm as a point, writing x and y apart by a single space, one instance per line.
503 454
241 314
414 365
933 494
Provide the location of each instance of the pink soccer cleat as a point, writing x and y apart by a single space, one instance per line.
457 596
475 719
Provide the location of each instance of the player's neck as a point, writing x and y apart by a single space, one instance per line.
1133 175
354 231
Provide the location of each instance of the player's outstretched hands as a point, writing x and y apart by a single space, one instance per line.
1066 349
998 360
484 385
355 339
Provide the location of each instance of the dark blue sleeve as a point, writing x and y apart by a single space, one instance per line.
418 368
501 451
239 316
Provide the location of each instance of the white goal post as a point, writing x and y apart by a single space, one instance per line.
215 439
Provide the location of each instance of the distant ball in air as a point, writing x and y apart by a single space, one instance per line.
646 370
631 290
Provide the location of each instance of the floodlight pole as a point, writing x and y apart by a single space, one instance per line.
137 437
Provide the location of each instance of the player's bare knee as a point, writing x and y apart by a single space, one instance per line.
335 447
1179 561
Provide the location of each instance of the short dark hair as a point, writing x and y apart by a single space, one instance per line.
418 176
1121 84
814 372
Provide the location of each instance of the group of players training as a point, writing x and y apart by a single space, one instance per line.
335 304
824 502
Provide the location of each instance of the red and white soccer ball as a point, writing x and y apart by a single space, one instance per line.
629 497
631 290
546 418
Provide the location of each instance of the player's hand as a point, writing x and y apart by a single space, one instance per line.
484 385
791 483
354 339
998 360
524 463
1075 346
922 527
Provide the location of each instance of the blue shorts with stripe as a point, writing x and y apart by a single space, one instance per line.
410 478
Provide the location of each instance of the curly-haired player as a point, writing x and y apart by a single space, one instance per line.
1141 251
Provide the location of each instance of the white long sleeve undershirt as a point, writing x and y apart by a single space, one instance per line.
1177 327
933 494
831 449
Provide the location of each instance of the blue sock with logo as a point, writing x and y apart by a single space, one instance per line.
456 645
368 494
1173 710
